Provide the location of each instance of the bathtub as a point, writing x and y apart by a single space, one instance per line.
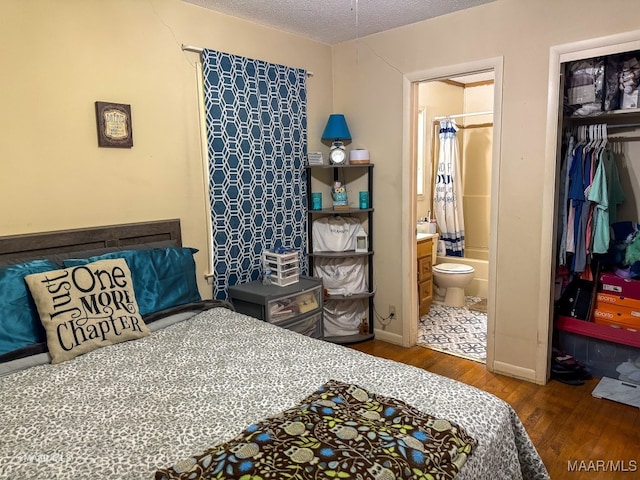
479 286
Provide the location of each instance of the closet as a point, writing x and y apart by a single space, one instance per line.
596 313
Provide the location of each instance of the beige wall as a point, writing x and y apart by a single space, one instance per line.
59 57
369 88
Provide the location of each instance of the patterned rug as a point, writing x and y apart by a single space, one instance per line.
457 331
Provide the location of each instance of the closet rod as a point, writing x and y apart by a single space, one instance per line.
191 48
624 125
459 115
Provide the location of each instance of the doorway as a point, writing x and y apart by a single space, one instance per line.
466 102
486 74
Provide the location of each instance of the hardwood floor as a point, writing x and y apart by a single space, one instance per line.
565 423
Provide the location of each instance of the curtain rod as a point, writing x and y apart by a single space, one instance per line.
191 48
459 115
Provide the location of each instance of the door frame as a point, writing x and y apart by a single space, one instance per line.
409 259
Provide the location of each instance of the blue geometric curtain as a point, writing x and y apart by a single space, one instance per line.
256 115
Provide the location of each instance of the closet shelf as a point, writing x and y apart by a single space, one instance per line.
613 117
594 330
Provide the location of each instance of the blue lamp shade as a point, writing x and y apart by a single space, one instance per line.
336 128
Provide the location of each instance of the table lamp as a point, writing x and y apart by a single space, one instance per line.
336 131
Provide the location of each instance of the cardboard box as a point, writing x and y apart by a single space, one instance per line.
616 316
623 287
606 299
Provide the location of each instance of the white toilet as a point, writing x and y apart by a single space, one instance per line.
449 282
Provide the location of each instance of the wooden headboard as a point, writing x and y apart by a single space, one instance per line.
38 245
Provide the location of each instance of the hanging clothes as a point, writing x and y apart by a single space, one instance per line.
564 194
580 208
614 185
593 192
447 198
598 193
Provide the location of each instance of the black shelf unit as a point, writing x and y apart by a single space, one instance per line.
337 170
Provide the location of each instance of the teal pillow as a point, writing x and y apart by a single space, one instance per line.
162 277
20 324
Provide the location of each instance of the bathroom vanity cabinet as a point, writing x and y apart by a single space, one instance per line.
425 275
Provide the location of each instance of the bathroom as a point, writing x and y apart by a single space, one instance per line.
469 101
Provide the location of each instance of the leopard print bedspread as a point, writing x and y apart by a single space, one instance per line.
126 410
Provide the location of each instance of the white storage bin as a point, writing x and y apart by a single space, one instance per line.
335 234
342 276
343 317
285 267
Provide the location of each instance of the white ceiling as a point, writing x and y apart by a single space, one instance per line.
335 21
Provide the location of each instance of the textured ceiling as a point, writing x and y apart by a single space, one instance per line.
335 21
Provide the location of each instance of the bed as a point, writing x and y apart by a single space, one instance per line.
196 389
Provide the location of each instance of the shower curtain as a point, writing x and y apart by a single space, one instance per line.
447 196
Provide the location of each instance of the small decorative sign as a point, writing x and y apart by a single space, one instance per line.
315 158
114 125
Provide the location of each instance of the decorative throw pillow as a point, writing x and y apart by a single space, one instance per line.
86 307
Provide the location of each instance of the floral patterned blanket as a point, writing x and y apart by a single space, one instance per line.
339 431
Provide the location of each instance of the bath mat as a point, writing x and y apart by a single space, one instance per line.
479 306
457 331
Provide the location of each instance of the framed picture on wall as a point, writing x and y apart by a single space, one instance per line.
114 125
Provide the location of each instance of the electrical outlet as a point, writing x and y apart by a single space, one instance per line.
392 311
